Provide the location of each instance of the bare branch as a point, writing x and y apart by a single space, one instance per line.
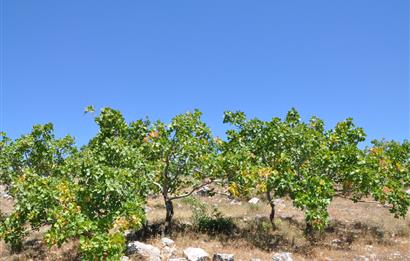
192 191
158 185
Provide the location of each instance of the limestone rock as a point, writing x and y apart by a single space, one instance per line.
196 254
235 202
253 201
167 242
205 191
145 250
223 257
282 256
168 252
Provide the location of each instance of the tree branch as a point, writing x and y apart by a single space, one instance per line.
158 185
192 191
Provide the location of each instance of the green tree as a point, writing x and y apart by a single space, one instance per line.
288 157
105 190
183 154
384 174
31 166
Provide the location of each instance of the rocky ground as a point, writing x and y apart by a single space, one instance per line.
361 231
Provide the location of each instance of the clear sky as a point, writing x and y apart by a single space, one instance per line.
333 59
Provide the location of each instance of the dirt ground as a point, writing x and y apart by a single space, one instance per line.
357 231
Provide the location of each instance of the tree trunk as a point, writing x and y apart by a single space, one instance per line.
309 231
170 213
272 208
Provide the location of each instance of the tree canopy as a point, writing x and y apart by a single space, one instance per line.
97 192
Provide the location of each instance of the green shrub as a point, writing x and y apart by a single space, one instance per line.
209 220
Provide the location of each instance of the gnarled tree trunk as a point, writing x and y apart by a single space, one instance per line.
272 208
169 207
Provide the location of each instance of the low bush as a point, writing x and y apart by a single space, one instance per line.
207 219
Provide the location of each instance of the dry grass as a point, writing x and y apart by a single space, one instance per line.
356 232
35 249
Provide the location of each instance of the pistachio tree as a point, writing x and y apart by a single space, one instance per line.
32 166
183 155
105 190
287 158
384 174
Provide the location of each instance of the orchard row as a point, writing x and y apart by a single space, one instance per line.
97 192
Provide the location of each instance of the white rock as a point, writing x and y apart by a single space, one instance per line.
128 233
3 192
148 251
177 259
204 191
256 259
167 242
253 201
6 196
223 257
125 258
235 202
336 242
282 256
408 191
168 252
196 254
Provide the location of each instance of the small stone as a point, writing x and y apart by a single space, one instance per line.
128 233
125 258
235 202
282 256
168 252
3 192
150 252
223 257
167 242
196 254
178 259
253 201
7 196
256 259
205 191
336 242
408 191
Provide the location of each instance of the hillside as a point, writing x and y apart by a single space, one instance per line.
361 231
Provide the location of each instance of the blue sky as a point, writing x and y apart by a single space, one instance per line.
333 59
